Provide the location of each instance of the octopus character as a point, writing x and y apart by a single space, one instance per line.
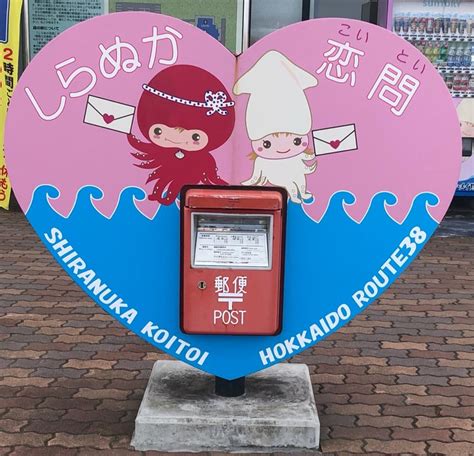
278 121
185 112
280 159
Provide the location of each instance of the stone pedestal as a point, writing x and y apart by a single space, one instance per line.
180 412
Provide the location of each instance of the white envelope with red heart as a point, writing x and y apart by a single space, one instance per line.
335 139
109 114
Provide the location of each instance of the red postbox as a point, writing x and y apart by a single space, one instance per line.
232 257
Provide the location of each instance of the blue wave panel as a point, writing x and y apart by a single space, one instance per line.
138 259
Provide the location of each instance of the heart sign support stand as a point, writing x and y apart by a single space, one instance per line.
184 409
227 234
230 388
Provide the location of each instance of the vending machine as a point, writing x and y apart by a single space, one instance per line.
443 30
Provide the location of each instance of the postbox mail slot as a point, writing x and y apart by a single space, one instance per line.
232 252
234 199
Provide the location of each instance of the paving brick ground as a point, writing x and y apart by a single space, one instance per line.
397 380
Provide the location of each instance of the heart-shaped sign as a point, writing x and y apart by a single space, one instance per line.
101 137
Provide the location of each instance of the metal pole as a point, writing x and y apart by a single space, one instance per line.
230 388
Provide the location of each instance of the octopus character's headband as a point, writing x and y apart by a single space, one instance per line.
213 101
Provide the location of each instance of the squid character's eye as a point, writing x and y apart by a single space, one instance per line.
196 137
297 141
267 144
157 131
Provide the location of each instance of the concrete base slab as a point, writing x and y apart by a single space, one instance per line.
180 412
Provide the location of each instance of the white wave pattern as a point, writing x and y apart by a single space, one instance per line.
137 202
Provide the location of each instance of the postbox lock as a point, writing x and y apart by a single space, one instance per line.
202 285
